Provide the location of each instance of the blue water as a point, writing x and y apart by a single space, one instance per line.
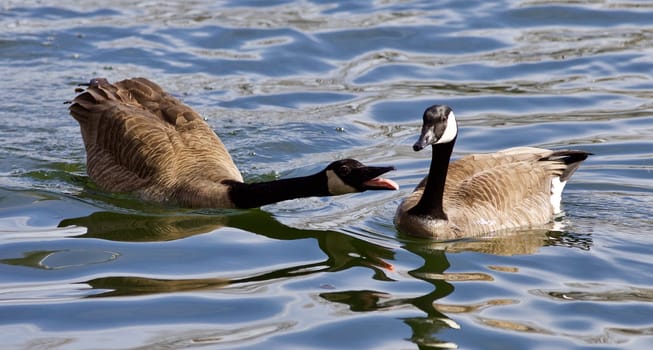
290 86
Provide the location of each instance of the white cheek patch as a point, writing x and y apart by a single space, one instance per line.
451 131
336 185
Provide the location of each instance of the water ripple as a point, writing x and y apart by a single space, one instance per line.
290 86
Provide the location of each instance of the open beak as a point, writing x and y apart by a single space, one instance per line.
375 182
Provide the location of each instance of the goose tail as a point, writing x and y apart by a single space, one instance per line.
571 160
90 100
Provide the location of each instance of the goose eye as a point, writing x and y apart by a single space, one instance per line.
344 170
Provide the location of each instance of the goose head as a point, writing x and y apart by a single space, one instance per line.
439 126
350 175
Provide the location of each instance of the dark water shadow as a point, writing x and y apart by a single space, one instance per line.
342 251
434 271
424 327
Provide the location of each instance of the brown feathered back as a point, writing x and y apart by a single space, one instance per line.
492 192
140 139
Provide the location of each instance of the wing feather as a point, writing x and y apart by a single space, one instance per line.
491 192
139 138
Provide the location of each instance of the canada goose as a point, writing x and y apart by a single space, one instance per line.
141 140
482 193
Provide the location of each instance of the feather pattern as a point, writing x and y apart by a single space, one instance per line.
140 139
485 193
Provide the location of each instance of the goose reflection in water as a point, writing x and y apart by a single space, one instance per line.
436 315
343 251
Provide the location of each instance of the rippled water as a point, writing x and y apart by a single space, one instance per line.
290 86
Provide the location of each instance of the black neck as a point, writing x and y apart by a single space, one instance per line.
254 195
430 204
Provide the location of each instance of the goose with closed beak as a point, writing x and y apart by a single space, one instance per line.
482 193
141 140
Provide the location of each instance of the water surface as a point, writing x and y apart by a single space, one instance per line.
290 86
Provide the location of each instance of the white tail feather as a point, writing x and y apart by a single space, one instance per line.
556 193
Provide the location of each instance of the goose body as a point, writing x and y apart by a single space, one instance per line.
141 140
482 193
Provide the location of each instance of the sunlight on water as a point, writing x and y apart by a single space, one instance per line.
290 86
